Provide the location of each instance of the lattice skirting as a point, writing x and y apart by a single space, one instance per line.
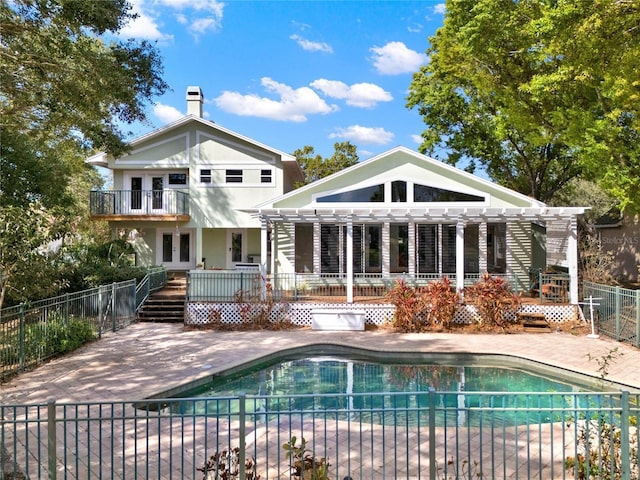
203 313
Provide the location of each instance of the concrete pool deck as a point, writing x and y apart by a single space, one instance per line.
146 358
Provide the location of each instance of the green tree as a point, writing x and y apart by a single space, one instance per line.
67 87
61 78
26 262
316 167
537 92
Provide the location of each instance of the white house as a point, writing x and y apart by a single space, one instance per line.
182 191
194 195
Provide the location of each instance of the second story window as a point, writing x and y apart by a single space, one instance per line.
205 175
233 176
177 179
266 176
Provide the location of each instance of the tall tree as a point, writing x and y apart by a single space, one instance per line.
536 91
316 167
61 78
67 85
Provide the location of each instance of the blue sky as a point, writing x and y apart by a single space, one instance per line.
293 73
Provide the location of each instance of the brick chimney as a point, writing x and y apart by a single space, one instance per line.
195 98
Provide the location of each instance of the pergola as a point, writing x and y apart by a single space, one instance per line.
460 216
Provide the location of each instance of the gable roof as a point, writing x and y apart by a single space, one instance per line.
400 163
100 159
401 155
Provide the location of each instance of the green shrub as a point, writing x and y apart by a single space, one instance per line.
56 336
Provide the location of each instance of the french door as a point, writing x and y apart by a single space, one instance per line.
146 194
174 249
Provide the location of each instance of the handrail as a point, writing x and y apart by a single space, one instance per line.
139 202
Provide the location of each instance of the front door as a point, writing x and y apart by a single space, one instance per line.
236 248
174 251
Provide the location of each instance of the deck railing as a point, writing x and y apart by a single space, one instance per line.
227 286
430 435
139 202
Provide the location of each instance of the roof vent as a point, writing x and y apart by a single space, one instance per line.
195 98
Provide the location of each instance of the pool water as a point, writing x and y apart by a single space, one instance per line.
379 391
335 376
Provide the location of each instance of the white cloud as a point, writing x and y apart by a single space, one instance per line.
144 26
200 26
363 95
167 113
293 105
440 8
366 135
310 46
199 17
395 58
416 138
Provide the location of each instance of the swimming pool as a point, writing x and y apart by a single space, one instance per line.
378 384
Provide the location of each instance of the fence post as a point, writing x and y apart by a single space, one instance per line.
242 417
625 468
618 305
66 308
540 284
113 307
432 434
22 339
638 318
51 438
100 319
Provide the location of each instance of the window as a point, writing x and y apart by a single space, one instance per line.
233 176
427 259
177 179
496 247
423 193
266 176
367 194
399 248
205 175
399 191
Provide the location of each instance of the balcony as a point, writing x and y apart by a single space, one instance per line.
156 205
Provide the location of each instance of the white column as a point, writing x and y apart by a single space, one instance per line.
572 260
317 253
263 256
386 246
459 255
482 248
412 248
199 246
349 261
